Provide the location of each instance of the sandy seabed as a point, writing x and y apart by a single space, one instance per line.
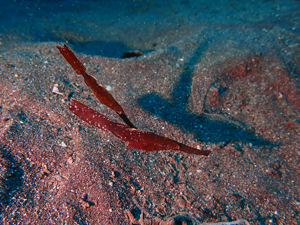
227 85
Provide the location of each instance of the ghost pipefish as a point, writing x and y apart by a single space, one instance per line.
134 138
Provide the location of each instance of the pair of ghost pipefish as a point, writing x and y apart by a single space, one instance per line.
134 138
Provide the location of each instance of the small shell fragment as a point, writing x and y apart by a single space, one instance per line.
55 90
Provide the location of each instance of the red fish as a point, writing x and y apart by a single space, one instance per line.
134 138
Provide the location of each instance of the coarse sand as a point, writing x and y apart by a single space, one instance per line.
229 84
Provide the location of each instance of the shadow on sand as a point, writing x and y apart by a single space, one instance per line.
206 128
